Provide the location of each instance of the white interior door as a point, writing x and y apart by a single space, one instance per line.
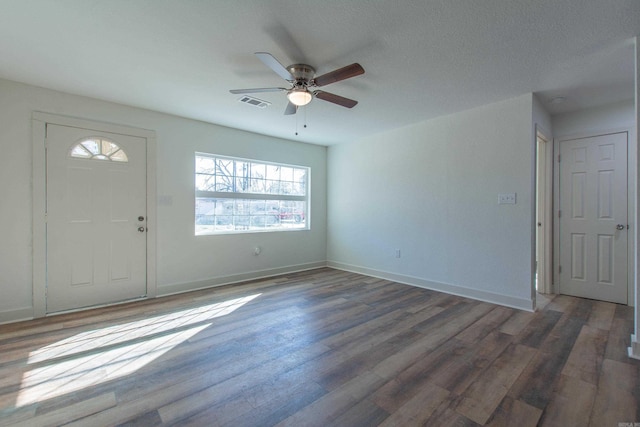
593 219
96 217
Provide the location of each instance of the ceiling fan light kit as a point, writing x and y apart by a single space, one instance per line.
299 97
302 77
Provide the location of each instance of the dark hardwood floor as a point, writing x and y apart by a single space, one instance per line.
322 348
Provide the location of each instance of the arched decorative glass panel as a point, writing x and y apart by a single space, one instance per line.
99 149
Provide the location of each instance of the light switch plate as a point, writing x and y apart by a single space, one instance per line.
507 198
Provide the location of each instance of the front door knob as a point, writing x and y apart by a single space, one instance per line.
620 227
141 229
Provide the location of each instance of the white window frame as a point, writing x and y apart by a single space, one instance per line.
236 195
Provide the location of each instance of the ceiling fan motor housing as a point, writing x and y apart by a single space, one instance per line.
302 72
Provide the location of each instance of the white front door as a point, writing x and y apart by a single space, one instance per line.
96 217
593 217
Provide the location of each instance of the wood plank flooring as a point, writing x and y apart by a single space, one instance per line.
322 348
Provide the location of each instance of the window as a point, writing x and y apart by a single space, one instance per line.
240 195
98 149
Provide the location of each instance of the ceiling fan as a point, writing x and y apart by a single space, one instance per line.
302 77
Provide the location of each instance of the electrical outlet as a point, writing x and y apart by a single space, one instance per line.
398 253
507 198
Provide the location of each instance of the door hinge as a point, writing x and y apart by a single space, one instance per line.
559 269
558 158
559 214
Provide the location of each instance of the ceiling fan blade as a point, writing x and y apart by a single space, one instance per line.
276 66
336 99
258 90
343 73
291 109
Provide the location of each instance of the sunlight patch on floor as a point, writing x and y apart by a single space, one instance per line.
104 354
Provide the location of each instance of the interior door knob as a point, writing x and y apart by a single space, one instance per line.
620 227
141 229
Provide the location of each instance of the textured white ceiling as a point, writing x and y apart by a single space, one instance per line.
422 58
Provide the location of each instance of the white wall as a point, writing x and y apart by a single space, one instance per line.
584 122
541 118
183 261
431 191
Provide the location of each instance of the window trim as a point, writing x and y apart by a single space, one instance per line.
252 196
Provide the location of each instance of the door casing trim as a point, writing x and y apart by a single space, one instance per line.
39 121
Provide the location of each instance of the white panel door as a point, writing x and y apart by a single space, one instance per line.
593 221
96 217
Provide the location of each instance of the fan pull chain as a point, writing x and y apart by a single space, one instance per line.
305 118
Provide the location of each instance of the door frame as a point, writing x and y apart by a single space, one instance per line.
631 189
544 210
39 121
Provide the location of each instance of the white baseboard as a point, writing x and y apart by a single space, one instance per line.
178 288
634 349
519 303
11 316
26 313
